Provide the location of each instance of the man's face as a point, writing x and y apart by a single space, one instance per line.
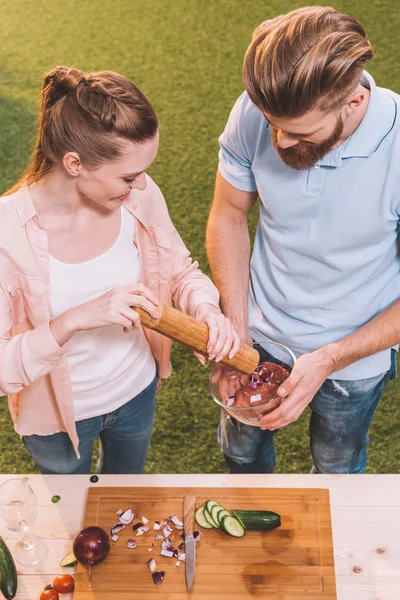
302 141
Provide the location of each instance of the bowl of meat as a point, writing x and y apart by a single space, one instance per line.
247 398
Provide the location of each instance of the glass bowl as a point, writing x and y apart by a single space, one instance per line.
247 398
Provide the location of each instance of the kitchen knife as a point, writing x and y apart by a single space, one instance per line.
189 506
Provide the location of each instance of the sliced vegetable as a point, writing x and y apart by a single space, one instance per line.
152 565
210 503
115 529
232 526
8 572
209 519
127 517
64 584
259 520
131 543
222 514
215 511
158 576
69 560
200 518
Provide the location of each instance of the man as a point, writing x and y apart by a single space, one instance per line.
319 143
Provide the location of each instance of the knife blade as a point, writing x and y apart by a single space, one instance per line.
189 506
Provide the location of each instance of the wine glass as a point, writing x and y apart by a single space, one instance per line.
18 512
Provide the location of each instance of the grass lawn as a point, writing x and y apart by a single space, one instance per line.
187 56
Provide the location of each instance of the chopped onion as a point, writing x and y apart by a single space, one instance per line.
182 556
120 512
167 530
167 545
196 536
144 520
157 525
168 553
159 537
158 576
115 538
177 564
176 521
150 549
255 398
131 543
230 401
117 528
127 517
137 526
152 564
182 546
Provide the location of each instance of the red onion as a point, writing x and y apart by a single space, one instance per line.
158 576
91 546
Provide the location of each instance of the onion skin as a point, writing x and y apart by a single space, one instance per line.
91 546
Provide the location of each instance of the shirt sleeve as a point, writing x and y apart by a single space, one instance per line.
25 357
236 151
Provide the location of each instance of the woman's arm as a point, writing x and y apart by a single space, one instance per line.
25 357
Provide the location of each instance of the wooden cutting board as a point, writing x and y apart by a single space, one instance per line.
293 562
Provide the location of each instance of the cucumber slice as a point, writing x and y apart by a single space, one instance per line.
258 520
200 519
222 514
209 518
232 526
209 505
215 512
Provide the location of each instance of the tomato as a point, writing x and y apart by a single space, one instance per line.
49 594
64 584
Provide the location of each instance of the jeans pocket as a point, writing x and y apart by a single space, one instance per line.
238 441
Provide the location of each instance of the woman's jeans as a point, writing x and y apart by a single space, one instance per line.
124 440
341 413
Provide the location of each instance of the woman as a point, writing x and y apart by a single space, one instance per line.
84 236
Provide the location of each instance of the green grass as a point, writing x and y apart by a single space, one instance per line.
186 55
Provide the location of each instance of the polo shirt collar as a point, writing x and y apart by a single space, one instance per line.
376 124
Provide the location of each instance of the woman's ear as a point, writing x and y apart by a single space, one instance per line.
72 164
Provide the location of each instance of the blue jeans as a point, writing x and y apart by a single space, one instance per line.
341 413
124 440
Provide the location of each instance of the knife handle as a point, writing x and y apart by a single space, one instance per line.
189 506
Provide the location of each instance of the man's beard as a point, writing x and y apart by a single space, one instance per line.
305 155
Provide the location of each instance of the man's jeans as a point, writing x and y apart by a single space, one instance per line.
124 435
341 415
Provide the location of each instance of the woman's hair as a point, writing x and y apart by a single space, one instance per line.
90 114
310 58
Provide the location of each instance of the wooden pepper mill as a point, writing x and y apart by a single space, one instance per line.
186 330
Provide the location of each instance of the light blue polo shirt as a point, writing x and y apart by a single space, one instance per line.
325 254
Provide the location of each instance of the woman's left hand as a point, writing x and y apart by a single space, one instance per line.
222 337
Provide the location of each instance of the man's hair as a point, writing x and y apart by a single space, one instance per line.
311 58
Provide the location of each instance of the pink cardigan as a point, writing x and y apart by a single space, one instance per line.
34 370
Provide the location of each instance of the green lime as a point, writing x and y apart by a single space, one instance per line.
69 560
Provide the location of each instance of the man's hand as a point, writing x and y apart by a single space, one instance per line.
307 376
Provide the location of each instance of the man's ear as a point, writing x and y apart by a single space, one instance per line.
356 99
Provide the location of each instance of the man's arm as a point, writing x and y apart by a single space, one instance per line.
228 249
311 370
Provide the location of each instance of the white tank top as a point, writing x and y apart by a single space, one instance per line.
108 367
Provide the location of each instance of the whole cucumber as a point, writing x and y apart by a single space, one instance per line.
8 572
258 520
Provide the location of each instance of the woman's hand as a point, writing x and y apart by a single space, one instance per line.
111 308
222 337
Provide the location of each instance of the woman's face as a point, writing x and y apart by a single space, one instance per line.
110 184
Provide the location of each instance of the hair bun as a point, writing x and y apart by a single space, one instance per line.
60 82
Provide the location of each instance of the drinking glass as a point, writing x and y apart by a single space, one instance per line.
18 512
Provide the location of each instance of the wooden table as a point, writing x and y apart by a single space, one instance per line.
365 521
